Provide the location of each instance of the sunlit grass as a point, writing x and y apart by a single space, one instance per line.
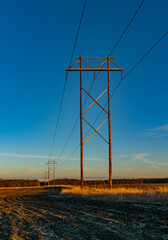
142 193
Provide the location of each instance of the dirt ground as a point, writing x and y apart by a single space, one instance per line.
46 214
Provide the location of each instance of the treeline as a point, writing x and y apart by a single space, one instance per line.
76 182
19 183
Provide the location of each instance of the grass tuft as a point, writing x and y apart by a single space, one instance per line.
150 193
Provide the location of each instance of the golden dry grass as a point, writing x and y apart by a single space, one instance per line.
138 193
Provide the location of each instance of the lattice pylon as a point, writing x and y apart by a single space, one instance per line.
51 170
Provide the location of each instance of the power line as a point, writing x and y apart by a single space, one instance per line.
146 54
123 33
63 93
136 12
89 19
69 138
71 131
129 73
70 154
78 32
55 132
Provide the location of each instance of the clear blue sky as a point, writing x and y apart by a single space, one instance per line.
36 44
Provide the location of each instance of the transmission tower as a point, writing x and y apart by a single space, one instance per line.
51 170
108 112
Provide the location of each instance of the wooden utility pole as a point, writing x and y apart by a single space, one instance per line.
81 123
109 125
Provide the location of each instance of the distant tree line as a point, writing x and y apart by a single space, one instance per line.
76 182
19 183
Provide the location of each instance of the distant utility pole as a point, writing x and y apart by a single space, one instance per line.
45 177
51 170
108 112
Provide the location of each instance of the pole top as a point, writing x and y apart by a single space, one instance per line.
94 57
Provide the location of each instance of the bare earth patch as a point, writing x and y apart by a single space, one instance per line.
47 214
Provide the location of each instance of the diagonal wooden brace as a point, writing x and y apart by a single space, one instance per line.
94 100
87 64
95 130
74 64
114 63
102 64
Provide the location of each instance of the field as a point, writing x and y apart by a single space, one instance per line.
143 193
53 213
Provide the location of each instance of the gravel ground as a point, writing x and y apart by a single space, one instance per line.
46 214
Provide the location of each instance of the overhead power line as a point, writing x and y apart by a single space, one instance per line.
118 41
136 12
145 55
68 138
78 32
63 93
126 75
122 35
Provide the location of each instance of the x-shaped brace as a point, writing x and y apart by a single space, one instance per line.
95 130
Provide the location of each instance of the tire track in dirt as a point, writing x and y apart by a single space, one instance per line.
20 223
90 229
69 219
138 225
35 221
80 219
43 214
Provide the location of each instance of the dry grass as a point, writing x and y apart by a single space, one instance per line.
148 193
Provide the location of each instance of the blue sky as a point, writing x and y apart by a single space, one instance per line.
36 44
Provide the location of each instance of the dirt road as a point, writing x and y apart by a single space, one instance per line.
46 214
